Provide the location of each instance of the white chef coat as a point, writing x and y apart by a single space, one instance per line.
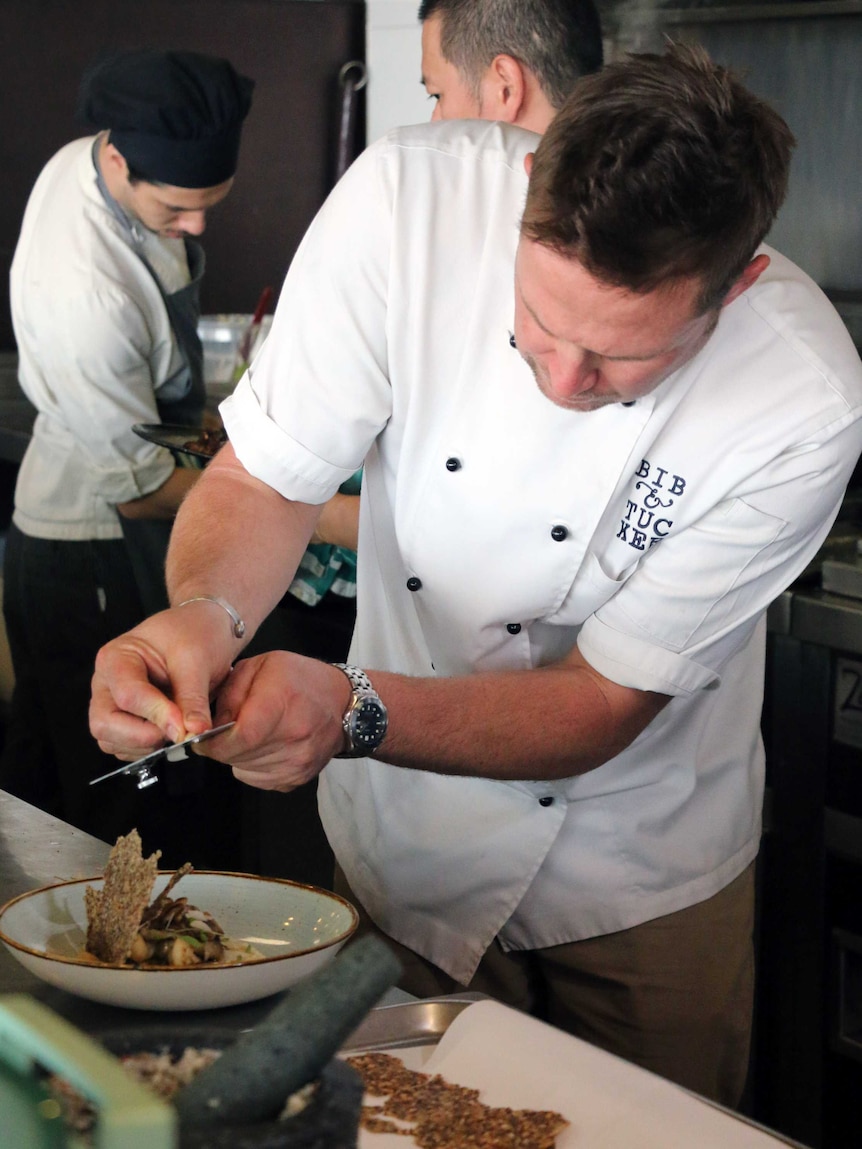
683 516
94 345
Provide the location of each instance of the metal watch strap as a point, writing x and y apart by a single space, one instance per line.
359 680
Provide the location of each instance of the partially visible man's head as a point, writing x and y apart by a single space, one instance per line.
660 168
174 122
469 47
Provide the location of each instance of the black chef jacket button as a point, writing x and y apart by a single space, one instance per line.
512 342
513 627
414 583
453 464
546 801
559 533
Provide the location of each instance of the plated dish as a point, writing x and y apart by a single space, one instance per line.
296 928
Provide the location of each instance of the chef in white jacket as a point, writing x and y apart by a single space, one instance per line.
596 446
104 289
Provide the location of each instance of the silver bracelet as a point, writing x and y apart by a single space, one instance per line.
238 624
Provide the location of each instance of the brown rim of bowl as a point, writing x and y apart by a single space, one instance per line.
60 958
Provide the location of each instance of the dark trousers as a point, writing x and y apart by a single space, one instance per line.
62 601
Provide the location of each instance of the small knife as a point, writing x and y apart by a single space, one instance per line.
174 752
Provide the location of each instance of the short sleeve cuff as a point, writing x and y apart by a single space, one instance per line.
272 456
635 663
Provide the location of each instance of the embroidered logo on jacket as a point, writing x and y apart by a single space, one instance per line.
646 520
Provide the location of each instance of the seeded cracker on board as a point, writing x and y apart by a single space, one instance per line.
114 912
443 1115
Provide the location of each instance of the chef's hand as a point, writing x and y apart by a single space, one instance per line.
288 712
154 683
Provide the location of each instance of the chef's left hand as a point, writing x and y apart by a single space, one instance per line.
288 712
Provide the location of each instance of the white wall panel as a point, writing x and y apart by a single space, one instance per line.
394 56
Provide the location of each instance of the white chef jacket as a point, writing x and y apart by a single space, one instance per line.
683 515
94 345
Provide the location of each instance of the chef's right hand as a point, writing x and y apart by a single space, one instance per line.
153 684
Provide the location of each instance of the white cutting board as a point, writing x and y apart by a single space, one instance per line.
517 1061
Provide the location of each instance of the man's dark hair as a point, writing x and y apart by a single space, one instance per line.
558 40
660 167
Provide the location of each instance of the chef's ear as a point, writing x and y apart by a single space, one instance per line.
749 277
504 89
528 163
114 160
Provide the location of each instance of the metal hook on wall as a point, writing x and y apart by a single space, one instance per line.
352 78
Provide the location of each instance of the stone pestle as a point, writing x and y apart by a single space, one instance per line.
252 1079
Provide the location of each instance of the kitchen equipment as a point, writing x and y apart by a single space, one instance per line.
290 1047
409 1024
182 442
328 1121
143 768
34 1040
296 928
250 336
220 337
807 1068
352 78
843 575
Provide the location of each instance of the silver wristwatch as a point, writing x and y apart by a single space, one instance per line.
365 719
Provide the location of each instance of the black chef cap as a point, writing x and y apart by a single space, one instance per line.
176 117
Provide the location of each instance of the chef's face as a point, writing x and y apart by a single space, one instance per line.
454 97
589 344
170 211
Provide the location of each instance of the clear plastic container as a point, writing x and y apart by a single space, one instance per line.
221 336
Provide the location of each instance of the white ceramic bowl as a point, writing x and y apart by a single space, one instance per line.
297 928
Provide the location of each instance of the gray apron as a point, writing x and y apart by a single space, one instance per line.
180 399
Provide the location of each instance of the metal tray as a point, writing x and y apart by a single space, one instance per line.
409 1024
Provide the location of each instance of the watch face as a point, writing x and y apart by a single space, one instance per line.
368 724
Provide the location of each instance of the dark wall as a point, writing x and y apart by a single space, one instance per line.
294 50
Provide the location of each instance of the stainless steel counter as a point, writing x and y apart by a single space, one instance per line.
36 850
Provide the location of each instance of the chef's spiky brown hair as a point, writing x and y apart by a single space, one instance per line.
657 168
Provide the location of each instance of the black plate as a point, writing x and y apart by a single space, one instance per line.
172 436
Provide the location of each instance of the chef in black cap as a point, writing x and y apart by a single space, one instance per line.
104 293
175 117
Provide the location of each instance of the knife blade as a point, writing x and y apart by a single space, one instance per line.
173 752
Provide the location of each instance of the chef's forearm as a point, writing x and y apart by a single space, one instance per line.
236 538
549 723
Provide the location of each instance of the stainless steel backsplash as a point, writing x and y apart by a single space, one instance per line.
806 59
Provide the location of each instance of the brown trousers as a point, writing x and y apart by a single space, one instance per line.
674 995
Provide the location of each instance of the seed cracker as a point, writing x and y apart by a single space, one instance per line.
114 912
446 1116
